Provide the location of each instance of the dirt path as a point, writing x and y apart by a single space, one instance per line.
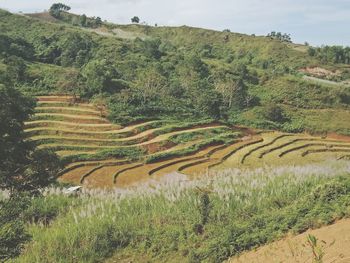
295 249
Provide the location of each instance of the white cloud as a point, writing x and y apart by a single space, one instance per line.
302 18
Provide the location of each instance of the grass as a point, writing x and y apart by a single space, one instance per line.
194 221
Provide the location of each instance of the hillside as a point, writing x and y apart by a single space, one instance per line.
138 143
248 80
152 100
177 220
100 154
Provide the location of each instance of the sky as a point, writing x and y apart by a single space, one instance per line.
316 21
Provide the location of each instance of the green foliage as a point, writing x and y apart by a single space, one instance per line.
274 113
192 136
135 19
57 8
279 36
204 207
12 228
16 46
43 210
99 75
22 166
333 54
14 110
180 73
317 250
83 20
44 79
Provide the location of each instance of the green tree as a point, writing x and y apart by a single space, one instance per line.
12 229
99 75
311 51
135 19
98 21
83 20
75 50
234 93
16 68
23 170
149 47
274 113
22 167
57 8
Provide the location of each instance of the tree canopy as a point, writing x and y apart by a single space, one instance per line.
57 8
135 19
280 36
22 167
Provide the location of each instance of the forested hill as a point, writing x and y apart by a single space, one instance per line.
145 72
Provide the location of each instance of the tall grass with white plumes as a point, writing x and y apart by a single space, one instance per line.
246 208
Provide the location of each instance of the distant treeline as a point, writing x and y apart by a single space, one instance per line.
334 54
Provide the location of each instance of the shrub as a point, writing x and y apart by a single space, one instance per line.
13 233
274 113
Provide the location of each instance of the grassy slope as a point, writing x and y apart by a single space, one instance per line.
238 219
175 222
281 88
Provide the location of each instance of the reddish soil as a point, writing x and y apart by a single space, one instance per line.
157 147
336 136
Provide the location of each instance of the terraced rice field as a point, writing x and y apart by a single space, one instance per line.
98 153
280 149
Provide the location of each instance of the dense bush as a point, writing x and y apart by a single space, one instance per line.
13 234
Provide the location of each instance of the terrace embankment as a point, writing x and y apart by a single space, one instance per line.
99 153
